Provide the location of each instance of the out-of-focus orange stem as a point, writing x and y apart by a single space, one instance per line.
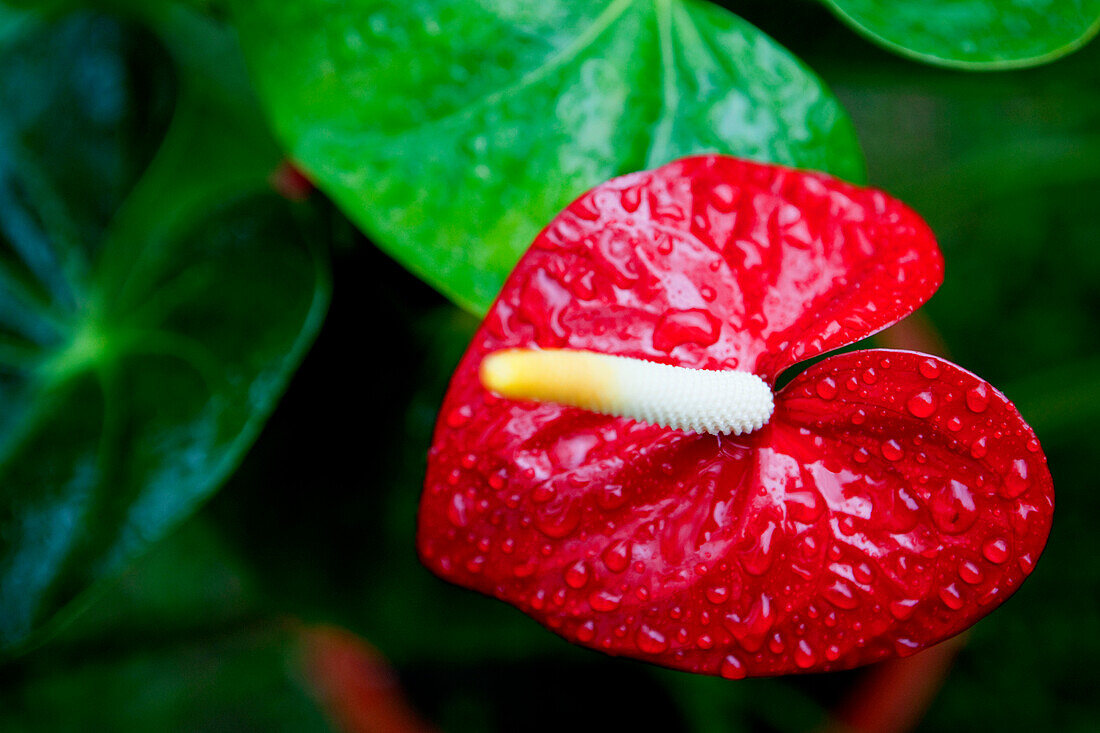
894 695
290 182
354 684
915 333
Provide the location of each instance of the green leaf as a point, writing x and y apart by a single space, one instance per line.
453 132
13 23
975 34
153 304
240 680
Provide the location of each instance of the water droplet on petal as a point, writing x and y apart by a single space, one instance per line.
456 510
951 597
996 551
758 559
929 368
826 388
611 496
751 630
650 640
459 416
631 198
979 448
922 404
1016 480
804 655
732 668
617 556
841 595
678 327
970 572
954 424
977 398
576 575
718 594
723 197
543 493
953 507
604 601
559 522
891 450
903 609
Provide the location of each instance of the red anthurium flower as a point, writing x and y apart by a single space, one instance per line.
889 501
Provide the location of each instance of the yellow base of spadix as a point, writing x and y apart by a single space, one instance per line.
695 400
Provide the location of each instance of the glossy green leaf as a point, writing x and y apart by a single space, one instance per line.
452 132
153 302
975 34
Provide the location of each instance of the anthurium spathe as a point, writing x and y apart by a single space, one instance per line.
887 500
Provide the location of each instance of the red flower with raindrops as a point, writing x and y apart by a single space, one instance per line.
889 500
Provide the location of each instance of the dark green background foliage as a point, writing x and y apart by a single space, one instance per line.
156 297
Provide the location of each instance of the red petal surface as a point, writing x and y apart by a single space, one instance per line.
764 554
935 503
720 263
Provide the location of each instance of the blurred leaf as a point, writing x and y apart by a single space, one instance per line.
453 132
183 641
243 680
975 34
148 321
189 585
13 23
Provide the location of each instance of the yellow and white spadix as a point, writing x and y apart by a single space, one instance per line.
694 400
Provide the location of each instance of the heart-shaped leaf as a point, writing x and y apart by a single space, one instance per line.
975 34
152 307
453 132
